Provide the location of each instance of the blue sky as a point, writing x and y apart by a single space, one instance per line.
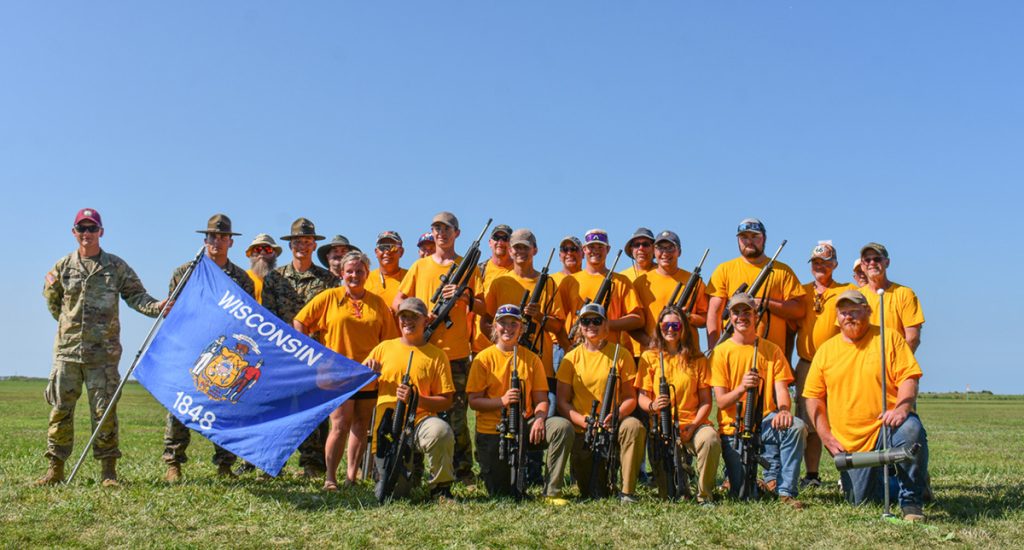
875 121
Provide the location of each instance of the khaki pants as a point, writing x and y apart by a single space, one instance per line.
707 447
496 473
802 367
62 393
632 437
435 439
463 457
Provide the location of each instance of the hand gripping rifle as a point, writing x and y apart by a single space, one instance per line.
603 295
603 441
686 301
394 441
528 337
666 450
762 277
748 436
512 431
459 274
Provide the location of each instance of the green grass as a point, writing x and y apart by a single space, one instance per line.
976 465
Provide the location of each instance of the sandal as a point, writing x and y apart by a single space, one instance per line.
330 487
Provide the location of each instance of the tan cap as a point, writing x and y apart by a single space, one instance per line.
446 218
856 264
264 239
523 236
218 224
740 299
303 227
414 305
853 296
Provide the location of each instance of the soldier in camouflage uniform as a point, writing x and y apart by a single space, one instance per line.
176 435
272 290
307 280
81 293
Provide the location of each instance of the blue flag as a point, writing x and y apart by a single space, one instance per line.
229 369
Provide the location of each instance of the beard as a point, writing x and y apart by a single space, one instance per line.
261 266
752 253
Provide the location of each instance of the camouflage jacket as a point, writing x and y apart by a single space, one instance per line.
85 306
279 297
306 284
237 274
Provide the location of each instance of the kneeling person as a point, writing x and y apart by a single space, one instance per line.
491 394
431 379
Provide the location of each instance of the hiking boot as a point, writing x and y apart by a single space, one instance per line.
810 481
913 513
108 476
224 470
442 495
54 474
791 502
173 474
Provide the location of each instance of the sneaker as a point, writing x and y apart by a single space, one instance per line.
913 513
806 482
707 504
627 498
555 501
224 470
791 502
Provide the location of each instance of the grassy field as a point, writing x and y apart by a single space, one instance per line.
976 465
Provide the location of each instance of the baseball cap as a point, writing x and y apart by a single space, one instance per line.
508 310
414 305
501 228
523 236
596 236
876 247
392 235
753 225
571 239
446 218
668 236
89 214
593 308
854 296
427 237
824 251
740 299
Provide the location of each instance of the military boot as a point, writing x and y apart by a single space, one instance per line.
224 470
173 474
109 476
54 474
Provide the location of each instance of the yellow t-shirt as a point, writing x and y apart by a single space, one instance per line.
815 327
421 281
685 377
491 272
587 373
902 308
782 285
568 289
509 289
654 289
257 285
431 373
634 271
491 373
387 287
622 300
849 376
731 361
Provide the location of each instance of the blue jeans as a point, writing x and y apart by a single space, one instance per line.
557 353
783 449
863 484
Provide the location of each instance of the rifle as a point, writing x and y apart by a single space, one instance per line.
537 342
687 300
601 297
747 441
394 441
527 337
459 274
665 448
368 453
602 441
754 289
512 430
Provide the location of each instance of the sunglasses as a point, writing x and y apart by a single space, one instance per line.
671 326
386 247
262 249
500 237
872 260
87 228
591 322
569 249
642 244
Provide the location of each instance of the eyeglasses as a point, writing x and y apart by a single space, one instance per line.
386 247
872 260
569 249
87 228
665 249
500 237
591 322
262 249
671 326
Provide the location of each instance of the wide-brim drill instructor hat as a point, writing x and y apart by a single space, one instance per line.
640 233
740 299
218 224
338 240
446 218
414 305
852 296
263 239
595 236
303 227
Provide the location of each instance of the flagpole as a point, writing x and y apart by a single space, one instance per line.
145 345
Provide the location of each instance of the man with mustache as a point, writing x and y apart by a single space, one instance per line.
272 291
902 309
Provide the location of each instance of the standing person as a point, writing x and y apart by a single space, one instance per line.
570 254
686 370
844 390
272 291
425 245
500 263
784 290
81 293
430 375
817 326
218 241
902 309
307 280
421 281
581 381
351 321
330 254
385 279
623 308
781 433
640 249
490 391
859 278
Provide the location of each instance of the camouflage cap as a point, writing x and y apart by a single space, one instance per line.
89 214
303 227
740 299
571 239
876 247
218 224
264 239
501 228
413 304
338 240
392 235
852 296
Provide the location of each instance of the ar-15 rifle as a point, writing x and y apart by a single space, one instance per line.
512 430
394 441
602 296
665 449
686 301
368 453
459 274
528 337
762 277
603 441
747 439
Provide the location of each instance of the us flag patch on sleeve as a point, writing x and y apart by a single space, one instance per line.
50 278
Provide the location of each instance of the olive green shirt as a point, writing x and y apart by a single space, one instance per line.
307 284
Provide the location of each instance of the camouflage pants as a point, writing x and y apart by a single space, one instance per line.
176 439
311 451
62 393
463 459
